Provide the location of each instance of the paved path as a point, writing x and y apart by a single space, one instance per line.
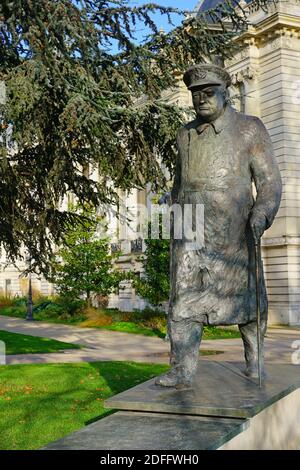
103 345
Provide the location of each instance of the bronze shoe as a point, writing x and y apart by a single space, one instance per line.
173 379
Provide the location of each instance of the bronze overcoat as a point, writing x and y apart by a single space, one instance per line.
216 166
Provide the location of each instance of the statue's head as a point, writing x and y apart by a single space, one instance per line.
209 87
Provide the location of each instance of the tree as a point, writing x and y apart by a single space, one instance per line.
155 283
75 79
85 266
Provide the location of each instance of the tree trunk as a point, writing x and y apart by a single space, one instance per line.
88 299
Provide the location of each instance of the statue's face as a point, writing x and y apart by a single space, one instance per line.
209 101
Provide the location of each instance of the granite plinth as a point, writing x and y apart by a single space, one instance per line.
220 389
148 431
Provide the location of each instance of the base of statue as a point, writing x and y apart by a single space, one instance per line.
224 410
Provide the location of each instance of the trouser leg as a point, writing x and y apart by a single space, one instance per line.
249 336
185 338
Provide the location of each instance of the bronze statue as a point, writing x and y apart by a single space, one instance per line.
220 153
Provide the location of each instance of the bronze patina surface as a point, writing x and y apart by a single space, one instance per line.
220 154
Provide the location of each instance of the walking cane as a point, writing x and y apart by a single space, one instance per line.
258 318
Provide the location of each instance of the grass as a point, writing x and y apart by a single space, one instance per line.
24 344
214 332
130 327
40 403
210 332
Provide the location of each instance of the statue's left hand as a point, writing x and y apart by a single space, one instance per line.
258 225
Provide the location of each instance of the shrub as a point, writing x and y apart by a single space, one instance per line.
19 301
155 283
151 318
51 311
5 301
71 306
96 317
58 307
15 311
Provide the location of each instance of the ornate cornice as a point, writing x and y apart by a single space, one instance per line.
276 25
280 36
276 34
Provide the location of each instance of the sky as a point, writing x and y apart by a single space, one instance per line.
141 32
161 20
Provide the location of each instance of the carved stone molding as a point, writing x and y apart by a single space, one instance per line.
239 56
247 73
292 2
280 241
253 8
277 38
275 44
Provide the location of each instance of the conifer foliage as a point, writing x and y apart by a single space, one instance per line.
79 91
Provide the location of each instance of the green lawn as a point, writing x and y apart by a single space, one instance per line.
210 332
130 327
24 344
213 332
40 403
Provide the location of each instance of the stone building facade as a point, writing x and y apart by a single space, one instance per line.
266 83
266 72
